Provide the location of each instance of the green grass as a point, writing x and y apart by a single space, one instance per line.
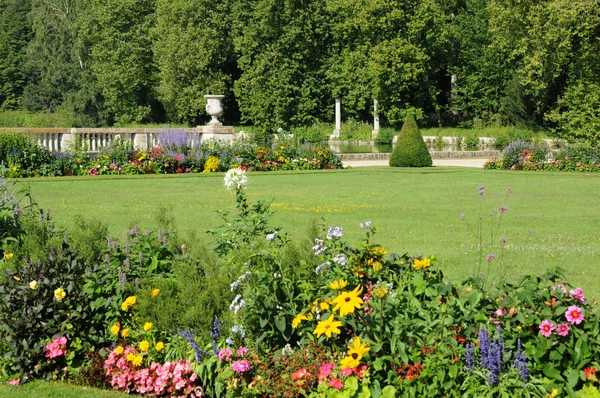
414 210
43 389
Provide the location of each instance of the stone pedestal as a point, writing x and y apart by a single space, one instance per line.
338 119
375 131
221 133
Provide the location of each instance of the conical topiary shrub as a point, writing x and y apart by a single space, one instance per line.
410 150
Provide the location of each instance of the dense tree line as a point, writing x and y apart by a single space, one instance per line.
281 63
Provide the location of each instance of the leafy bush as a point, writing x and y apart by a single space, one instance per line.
22 157
386 135
410 150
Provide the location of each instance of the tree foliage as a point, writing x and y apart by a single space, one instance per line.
282 63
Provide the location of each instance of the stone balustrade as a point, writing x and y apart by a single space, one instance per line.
94 139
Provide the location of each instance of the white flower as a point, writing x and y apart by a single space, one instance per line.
272 236
235 179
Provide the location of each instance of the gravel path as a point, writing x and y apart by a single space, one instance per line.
436 162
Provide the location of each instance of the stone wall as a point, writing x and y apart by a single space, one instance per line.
434 155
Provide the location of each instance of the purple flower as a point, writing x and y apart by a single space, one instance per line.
502 209
490 257
462 216
470 350
189 336
481 190
173 140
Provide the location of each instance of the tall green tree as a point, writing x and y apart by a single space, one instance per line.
193 49
15 33
118 35
55 58
282 48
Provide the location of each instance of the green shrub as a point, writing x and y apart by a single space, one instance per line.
386 135
410 150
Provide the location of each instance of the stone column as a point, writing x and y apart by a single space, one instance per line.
375 132
338 119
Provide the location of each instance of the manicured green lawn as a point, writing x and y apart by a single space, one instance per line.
42 389
415 211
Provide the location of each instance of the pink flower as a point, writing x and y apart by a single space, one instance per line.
360 369
500 312
14 382
578 295
225 355
325 370
561 287
346 372
240 366
546 327
336 383
241 351
562 329
574 315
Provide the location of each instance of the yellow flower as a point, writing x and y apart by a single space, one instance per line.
298 319
323 305
421 264
552 394
355 354
379 251
377 266
282 147
8 256
130 357
60 294
115 328
381 292
147 326
119 350
155 292
144 345
159 346
137 361
129 302
125 332
328 327
338 285
347 302
15 277
33 285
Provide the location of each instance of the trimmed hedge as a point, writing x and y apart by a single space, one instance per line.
410 150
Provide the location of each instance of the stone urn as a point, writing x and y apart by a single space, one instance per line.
214 109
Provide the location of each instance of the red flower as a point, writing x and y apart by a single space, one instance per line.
336 383
590 372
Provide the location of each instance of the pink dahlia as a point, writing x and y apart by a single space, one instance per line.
241 351
577 294
325 370
563 329
546 328
574 315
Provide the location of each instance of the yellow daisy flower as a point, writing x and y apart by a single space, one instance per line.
338 285
129 302
155 292
125 332
328 327
347 302
355 354
159 346
144 345
299 318
130 357
147 326
323 305
421 264
119 350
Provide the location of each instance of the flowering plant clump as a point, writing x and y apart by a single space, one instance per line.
126 371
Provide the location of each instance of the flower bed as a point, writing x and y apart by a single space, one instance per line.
173 155
520 155
258 314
